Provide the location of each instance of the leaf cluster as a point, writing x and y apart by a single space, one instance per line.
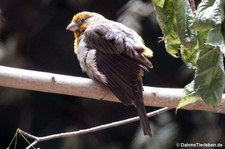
197 36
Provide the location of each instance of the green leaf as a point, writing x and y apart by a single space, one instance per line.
215 38
189 56
188 99
209 77
209 14
187 35
189 88
172 43
159 3
167 22
185 19
223 34
209 81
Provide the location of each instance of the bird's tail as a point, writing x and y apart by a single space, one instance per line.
143 117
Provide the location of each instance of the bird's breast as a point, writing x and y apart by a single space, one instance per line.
87 60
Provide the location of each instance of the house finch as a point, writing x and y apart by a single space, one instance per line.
114 55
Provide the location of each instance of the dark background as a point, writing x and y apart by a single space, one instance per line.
33 36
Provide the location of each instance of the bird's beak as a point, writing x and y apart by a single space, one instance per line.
72 27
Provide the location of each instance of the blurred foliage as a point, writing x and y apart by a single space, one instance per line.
33 36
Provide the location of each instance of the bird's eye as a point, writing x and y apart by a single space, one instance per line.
81 21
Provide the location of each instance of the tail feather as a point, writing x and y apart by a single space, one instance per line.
143 118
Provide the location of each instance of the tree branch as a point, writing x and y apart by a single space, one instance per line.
83 87
86 131
192 3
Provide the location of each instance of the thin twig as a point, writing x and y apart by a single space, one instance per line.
192 3
27 134
32 144
24 137
14 139
86 131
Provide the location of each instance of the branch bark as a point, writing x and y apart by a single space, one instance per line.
83 87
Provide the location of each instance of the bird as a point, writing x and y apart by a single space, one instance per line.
114 55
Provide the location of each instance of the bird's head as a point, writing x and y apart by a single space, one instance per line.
82 20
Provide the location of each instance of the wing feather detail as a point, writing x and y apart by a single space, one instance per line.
115 41
122 75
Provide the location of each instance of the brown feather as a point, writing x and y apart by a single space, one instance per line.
96 39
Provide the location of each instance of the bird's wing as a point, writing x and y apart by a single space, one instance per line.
123 73
114 38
